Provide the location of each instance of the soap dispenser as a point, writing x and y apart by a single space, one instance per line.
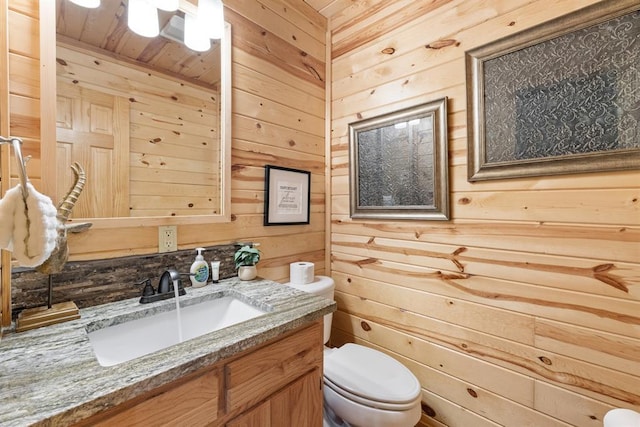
199 272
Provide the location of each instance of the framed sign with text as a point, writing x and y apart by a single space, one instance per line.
287 197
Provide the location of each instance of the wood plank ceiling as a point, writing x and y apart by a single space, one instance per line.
328 8
105 29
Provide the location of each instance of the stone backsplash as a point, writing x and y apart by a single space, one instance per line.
96 282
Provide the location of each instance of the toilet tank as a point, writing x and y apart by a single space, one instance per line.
321 286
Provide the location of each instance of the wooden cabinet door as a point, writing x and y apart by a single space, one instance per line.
257 376
259 416
299 404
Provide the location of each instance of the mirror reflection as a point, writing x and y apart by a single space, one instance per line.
142 115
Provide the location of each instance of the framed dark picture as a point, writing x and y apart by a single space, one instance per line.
399 164
287 196
558 98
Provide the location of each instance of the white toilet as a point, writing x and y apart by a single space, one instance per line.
362 386
621 417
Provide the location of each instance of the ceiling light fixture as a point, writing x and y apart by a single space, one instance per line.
142 18
195 33
174 29
211 15
197 30
206 24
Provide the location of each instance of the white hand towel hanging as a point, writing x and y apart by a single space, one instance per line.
7 208
28 229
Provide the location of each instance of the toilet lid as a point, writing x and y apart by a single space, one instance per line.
371 374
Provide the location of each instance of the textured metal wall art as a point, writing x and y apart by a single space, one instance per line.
399 164
562 97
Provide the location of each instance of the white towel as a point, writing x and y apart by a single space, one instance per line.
31 231
7 208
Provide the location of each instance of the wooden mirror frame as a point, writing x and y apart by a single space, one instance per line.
5 256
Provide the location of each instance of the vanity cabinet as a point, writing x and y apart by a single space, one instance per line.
294 405
193 401
276 384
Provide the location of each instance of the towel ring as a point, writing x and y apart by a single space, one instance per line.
22 171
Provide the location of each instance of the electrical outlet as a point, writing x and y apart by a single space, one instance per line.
167 238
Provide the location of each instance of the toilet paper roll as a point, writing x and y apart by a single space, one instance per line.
301 273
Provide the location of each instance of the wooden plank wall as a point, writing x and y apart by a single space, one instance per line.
22 99
524 309
278 119
173 163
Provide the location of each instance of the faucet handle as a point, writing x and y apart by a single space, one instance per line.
148 288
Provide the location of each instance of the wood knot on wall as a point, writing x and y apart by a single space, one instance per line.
545 360
366 261
314 73
428 410
602 272
440 44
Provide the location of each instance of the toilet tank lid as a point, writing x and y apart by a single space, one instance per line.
371 374
321 285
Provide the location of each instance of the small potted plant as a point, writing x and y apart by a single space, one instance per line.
246 259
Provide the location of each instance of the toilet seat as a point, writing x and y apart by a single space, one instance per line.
352 414
405 406
370 378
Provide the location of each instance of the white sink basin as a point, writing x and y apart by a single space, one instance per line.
128 340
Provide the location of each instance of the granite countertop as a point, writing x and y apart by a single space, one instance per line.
50 375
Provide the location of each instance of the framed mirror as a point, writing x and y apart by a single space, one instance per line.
399 164
146 117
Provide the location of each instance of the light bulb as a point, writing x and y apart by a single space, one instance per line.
143 18
166 5
195 34
91 4
211 15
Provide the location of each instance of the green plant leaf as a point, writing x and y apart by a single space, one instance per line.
246 255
